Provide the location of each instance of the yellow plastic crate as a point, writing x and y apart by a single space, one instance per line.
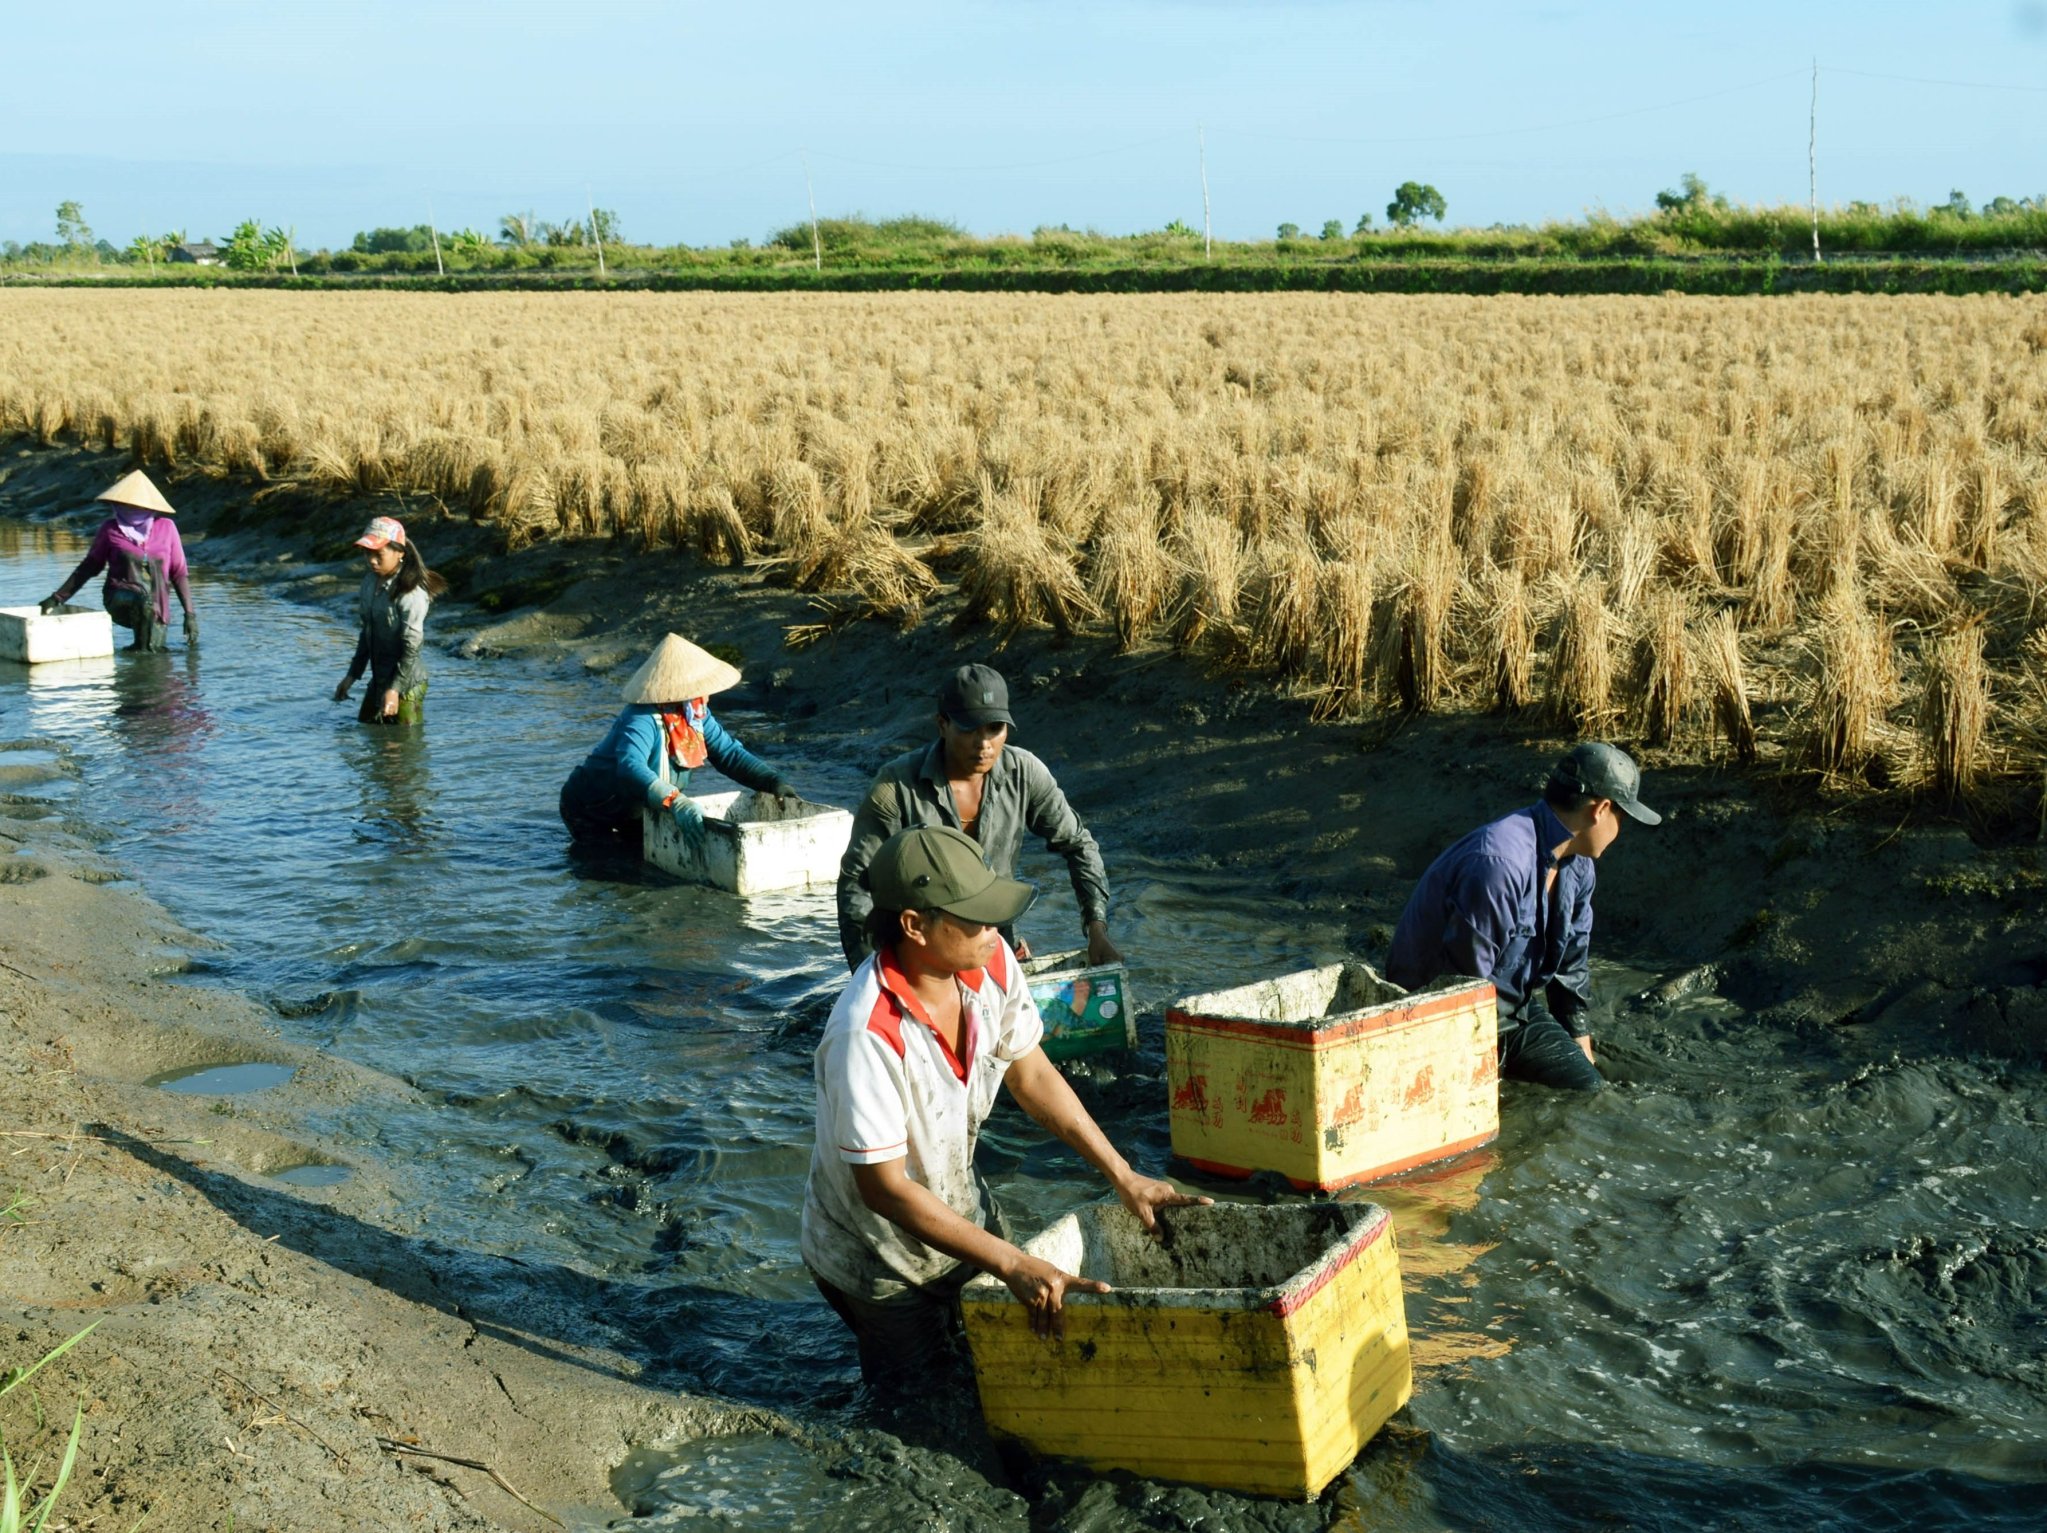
1254 1349
1332 1076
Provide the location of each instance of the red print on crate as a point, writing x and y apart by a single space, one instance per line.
1353 1107
1423 1087
1271 1108
1192 1097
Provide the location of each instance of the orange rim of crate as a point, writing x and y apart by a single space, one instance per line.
1302 1035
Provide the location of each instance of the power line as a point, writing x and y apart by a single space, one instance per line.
1863 74
1066 159
1574 122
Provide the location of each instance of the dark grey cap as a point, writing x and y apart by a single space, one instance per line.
1605 771
975 695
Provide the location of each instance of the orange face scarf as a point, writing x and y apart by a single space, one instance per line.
684 732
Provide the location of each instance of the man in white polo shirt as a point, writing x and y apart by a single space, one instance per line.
932 1022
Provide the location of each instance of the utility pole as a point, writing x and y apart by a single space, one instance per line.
816 244
1207 229
1812 162
597 239
439 269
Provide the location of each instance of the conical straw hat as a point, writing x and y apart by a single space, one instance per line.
678 671
136 490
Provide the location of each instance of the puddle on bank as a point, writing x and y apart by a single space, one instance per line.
224 1080
747 1480
313 1174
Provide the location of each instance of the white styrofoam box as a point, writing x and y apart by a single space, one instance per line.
753 843
29 635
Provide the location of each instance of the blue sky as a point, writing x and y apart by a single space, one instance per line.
692 121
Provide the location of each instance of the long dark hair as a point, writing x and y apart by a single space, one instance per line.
413 573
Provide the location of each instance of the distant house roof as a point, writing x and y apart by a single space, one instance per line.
197 253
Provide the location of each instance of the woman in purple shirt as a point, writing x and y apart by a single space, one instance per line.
139 548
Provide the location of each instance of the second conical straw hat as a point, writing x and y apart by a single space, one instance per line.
678 671
139 491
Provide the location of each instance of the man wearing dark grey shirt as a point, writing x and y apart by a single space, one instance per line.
1512 902
973 780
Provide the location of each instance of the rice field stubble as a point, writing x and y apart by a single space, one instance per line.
1807 532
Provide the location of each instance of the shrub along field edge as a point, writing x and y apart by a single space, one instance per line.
1703 277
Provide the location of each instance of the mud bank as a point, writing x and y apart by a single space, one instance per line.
257 1340
259 1346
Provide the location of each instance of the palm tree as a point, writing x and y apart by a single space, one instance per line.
516 228
149 248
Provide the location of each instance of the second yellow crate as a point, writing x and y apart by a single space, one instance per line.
1332 1076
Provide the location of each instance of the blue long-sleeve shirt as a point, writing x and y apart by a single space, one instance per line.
1479 910
623 774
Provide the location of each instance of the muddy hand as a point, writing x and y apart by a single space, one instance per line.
391 704
341 691
784 790
1043 1289
1144 1196
1100 950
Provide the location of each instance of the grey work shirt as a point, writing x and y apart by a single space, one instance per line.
1020 795
393 634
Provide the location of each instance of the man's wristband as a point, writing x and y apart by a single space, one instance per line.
673 795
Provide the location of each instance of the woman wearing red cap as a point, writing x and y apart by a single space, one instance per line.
396 591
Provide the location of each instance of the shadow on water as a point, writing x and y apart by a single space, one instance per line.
676 1335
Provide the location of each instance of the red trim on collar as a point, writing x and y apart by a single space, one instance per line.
896 987
886 1022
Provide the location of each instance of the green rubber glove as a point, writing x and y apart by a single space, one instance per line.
688 819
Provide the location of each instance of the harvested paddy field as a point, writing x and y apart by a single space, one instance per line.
1809 534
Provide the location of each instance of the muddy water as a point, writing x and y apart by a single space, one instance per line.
1762 1283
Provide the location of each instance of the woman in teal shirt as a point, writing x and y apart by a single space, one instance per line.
666 731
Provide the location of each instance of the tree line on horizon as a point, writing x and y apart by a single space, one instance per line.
1690 218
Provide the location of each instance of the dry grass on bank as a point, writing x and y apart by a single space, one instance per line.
1806 531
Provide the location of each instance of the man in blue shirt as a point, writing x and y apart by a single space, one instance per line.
1512 902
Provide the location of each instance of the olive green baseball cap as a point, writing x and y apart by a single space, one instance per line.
935 867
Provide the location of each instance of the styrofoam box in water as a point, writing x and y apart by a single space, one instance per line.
753 843
1254 1349
31 636
1332 1076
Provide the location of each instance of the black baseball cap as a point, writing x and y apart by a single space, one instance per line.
934 867
1604 771
975 695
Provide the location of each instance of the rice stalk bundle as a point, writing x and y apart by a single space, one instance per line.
1854 683
1983 513
1285 598
715 528
1344 590
661 502
1772 603
1732 719
1509 624
1421 672
1133 575
1663 680
1019 575
1954 711
1937 504
1210 555
1580 690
